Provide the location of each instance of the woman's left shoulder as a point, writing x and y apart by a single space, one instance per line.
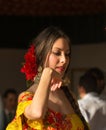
25 95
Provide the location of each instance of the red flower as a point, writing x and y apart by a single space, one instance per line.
30 66
56 121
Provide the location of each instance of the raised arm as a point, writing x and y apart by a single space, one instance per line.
50 80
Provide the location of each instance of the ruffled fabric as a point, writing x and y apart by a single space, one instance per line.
20 122
76 122
52 121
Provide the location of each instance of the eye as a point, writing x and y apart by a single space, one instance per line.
68 54
56 53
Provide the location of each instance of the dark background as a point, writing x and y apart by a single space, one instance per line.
18 31
21 20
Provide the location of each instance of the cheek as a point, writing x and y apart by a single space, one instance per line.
52 61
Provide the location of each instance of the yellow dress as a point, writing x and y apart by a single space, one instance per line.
52 121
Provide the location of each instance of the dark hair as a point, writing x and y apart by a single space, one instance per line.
9 91
45 40
96 72
88 82
99 75
75 106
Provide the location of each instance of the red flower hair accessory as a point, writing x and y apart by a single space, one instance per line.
30 68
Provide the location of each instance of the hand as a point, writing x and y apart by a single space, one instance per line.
52 76
56 81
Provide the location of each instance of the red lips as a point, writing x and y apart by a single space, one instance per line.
60 68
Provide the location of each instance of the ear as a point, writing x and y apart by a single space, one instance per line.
81 91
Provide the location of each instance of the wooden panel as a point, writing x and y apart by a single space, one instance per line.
51 7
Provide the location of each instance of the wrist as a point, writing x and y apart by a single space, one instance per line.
48 71
46 75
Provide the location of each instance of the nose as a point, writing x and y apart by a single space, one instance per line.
63 59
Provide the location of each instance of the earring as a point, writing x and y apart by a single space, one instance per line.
39 69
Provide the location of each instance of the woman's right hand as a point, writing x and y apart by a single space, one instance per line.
56 79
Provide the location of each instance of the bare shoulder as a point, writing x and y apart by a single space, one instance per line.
27 94
21 95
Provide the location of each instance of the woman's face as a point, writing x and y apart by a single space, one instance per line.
59 56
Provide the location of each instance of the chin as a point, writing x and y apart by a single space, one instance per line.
62 74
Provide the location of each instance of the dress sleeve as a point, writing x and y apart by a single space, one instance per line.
24 100
20 122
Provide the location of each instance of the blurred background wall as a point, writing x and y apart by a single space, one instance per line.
83 57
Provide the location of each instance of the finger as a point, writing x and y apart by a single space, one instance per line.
54 87
60 84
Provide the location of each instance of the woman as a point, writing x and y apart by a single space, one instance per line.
45 106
